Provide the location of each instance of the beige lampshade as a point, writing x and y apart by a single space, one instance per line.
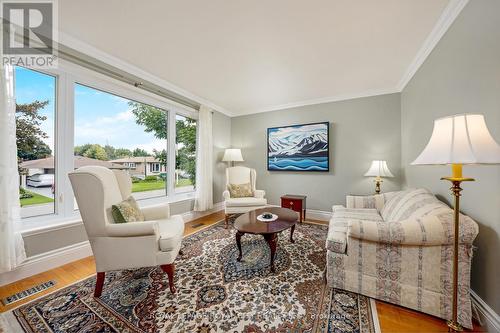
232 155
379 169
460 139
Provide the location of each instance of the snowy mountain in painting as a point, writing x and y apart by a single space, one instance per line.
299 141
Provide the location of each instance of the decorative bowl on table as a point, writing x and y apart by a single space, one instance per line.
267 217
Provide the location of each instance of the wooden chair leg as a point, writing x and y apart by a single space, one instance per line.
99 283
227 221
170 270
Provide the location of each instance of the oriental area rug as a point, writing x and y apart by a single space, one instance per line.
215 292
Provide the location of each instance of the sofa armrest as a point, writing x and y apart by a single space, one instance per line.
226 195
430 231
376 201
132 229
259 194
156 212
360 201
337 207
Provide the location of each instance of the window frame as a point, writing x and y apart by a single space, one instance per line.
55 152
156 167
185 189
67 75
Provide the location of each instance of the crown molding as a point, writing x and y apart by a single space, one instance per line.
322 100
87 49
448 16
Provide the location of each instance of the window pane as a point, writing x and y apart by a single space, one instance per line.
118 133
185 158
35 134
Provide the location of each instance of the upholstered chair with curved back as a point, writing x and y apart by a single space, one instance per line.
239 175
117 246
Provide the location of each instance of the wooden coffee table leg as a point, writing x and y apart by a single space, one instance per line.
291 234
272 240
238 243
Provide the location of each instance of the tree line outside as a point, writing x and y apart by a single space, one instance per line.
31 146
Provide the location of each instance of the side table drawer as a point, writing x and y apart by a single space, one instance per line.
292 204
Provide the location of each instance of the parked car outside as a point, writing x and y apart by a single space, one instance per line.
40 180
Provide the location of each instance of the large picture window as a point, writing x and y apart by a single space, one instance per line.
98 121
35 138
119 133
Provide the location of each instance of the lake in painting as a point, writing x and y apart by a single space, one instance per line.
298 148
299 163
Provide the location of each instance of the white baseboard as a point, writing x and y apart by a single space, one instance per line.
47 261
320 215
487 316
192 215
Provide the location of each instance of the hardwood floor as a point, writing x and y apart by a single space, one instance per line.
392 318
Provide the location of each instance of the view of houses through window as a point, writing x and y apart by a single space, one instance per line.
118 133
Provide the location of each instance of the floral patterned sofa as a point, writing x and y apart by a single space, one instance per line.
398 247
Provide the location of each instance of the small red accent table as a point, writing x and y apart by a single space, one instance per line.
296 203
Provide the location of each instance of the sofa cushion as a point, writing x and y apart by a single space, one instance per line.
245 202
171 231
412 203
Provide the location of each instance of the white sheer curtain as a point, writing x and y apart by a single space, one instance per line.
204 161
11 242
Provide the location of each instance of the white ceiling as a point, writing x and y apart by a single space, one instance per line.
257 55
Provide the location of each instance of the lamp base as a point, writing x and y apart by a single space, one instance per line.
456 179
456 327
377 181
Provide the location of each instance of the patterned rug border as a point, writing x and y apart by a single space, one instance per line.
9 321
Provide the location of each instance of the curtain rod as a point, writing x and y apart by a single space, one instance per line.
108 70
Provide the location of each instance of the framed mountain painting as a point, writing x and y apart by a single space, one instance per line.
298 147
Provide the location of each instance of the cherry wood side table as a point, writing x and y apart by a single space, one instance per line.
296 203
248 224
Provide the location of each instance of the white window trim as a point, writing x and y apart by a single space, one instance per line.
67 75
154 167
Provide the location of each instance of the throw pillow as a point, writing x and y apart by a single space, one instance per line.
127 211
240 190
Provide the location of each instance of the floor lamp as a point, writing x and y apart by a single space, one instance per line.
457 140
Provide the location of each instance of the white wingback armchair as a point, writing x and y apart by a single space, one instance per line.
155 241
242 175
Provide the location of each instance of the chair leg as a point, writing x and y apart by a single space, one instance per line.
227 221
99 283
170 270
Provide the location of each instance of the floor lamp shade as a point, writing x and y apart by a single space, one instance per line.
460 139
232 155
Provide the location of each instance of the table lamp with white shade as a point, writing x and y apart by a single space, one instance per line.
232 155
378 169
457 140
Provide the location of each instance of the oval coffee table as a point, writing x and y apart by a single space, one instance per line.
248 224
